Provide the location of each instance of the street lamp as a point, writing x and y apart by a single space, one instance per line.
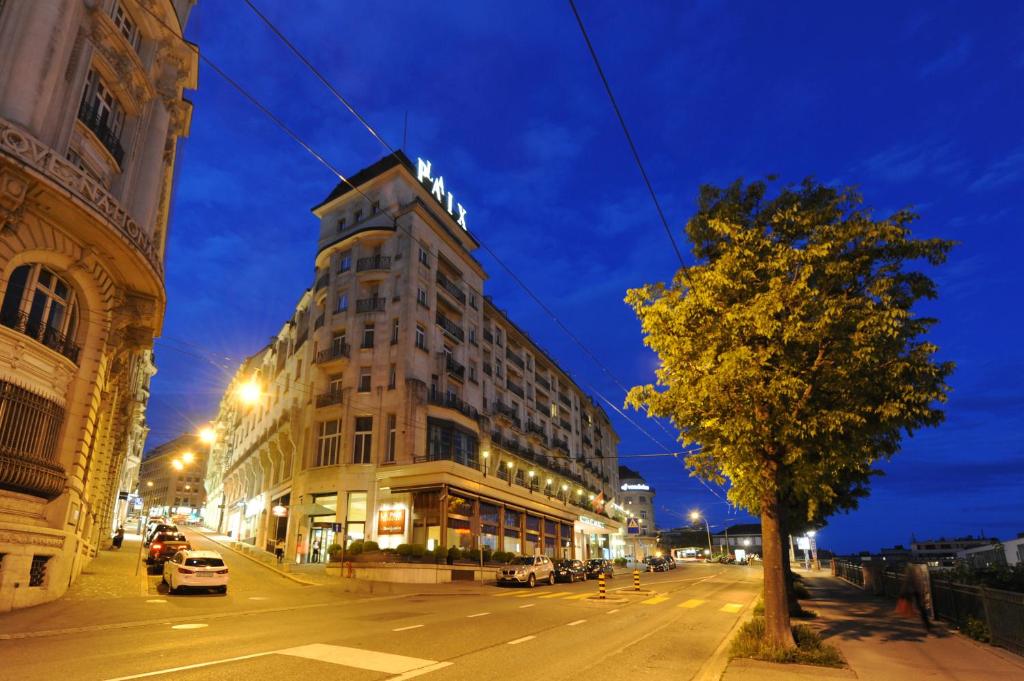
177 465
249 392
695 516
509 465
487 455
207 435
188 457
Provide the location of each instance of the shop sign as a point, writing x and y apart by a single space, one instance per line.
435 185
630 487
279 511
391 521
591 521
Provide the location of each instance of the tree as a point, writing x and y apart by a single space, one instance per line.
791 353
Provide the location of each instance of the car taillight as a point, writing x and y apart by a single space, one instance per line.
156 547
222 572
186 572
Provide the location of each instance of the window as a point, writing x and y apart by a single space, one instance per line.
472 371
424 258
472 300
472 335
421 338
389 456
642 499
392 371
298 369
334 384
367 336
126 25
364 379
345 261
363 440
342 305
338 345
355 516
394 331
421 297
328 444
375 207
497 336
497 368
100 109
41 305
358 215
341 224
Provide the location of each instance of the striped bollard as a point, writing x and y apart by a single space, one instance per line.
600 586
636 579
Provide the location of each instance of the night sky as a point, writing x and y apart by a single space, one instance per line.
919 105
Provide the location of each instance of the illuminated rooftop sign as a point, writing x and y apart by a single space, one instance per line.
627 487
435 185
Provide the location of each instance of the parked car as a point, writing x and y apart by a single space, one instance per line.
195 569
527 570
595 566
156 528
670 561
656 564
570 571
165 545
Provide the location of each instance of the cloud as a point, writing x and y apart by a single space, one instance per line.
953 58
907 162
1006 171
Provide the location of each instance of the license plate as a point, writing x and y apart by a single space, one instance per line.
204 574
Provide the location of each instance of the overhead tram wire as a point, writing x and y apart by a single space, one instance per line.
330 167
376 135
632 146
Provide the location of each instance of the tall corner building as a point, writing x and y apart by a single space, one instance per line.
401 405
91 108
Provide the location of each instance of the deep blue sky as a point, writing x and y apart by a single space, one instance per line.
919 104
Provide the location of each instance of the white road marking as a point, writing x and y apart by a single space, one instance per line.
528 605
573 624
358 658
411 626
189 626
612 612
521 640
479 614
156 600
420 672
198 665
257 598
731 607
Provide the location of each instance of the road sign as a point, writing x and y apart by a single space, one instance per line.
632 526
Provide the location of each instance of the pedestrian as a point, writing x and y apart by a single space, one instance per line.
118 536
279 551
316 551
912 597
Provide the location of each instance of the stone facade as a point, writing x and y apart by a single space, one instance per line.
90 110
401 405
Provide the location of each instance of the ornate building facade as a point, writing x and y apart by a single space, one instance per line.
400 405
91 108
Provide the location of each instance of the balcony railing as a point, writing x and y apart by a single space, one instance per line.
565 424
450 401
450 287
319 322
543 382
543 407
336 351
488 336
374 262
365 305
564 399
321 282
450 327
47 335
514 358
507 412
28 443
587 441
537 430
96 121
487 368
515 389
328 398
559 443
453 368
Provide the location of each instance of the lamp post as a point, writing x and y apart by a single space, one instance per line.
695 516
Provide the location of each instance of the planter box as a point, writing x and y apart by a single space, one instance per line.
413 573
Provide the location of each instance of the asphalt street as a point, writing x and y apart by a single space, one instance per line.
267 627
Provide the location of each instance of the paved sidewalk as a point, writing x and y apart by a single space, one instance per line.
113 573
882 647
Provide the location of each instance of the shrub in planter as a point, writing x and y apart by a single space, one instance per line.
371 546
417 550
355 548
404 550
334 553
621 562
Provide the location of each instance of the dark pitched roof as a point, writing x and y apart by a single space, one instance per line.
748 528
367 174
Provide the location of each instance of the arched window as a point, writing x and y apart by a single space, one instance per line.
40 304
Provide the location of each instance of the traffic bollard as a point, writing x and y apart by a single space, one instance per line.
600 586
636 579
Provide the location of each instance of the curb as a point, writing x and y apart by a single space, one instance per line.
714 667
284 574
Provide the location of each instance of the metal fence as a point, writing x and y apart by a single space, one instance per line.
851 572
1002 612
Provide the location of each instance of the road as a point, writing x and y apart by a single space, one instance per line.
268 627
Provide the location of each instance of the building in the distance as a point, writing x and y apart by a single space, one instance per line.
91 109
171 478
1000 553
400 405
745 536
945 551
637 499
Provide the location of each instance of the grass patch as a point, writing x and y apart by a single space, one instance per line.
750 642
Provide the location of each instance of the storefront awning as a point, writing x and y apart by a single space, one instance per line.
311 509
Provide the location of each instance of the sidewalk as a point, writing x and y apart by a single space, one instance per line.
113 573
881 647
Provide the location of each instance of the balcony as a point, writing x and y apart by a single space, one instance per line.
328 398
96 120
451 288
543 407
488 336
374 263
537 430
47 335
542 382
561 444
514 358
368 305
487 368
454 369
508 413
564 399
321 282
514 389
450 327
337 352
28 443
451 401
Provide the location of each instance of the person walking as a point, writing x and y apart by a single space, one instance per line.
279 551
316 551
912 597
118 537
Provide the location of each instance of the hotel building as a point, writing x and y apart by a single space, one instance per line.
171 477
401 405
91 109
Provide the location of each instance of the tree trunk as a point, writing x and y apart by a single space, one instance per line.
778 631
787 568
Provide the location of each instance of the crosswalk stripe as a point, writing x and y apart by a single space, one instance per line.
357 657
578 597
529 594
506 594
655 600
731 607
692 603
557 594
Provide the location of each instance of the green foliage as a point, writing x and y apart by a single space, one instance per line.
750 642
404 550
621 562
977 630
371 546
355 548
501 556
792 346
1005 577
334 552
454 553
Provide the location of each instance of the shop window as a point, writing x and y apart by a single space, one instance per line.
355 516
363 439
426 515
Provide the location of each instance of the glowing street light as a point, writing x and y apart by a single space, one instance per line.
249 392
695 516
188 457
177 465
149 483
207 435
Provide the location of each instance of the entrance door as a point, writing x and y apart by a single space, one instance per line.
321 536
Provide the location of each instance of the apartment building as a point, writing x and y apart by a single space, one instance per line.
171 477
400 404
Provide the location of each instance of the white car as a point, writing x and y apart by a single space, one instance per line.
196 569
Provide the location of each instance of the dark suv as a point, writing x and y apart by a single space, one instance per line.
156 529
596 566
570 571
164 545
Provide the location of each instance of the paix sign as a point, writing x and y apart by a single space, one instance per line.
391 521
435 185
